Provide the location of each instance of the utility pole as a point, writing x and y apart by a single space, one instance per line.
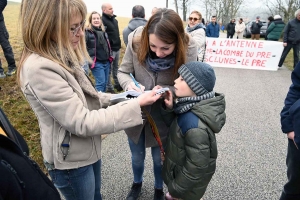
166 3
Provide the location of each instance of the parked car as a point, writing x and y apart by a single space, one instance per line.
263 29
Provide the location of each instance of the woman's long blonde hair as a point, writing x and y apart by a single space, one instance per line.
45 28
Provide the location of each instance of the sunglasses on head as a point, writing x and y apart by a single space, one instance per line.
195 19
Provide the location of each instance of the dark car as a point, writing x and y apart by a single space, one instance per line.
263 29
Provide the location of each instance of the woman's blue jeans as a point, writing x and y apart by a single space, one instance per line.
83 183
138 153
101 74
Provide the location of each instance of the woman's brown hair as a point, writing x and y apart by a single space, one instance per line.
168 27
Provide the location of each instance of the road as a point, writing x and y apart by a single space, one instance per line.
252 149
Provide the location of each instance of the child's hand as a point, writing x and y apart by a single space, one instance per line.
168 99
169 197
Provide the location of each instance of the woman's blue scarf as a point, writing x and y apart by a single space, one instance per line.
191 29
160 64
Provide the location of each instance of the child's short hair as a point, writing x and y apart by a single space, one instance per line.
199 76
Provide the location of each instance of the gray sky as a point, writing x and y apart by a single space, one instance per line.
122 8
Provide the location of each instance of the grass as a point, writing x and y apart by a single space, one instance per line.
12 100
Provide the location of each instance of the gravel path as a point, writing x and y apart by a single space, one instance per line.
252 149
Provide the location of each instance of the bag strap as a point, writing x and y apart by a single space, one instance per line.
154 130
7 128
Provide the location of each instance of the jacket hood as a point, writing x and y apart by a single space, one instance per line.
212 112
136 22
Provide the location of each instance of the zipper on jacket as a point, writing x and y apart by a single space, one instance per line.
7 165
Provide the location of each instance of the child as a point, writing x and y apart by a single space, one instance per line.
191 150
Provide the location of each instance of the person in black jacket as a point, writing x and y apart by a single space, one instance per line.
99 50
291 39
112 29
230 27
6 47
290 125
255 29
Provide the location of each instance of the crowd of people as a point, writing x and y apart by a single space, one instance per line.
73 113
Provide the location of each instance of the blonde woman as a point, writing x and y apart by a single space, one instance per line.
197 30
98 47
70 111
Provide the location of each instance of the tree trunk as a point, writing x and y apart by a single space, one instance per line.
176 6
184 10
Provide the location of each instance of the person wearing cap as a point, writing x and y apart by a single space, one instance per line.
191 149
275 29
255 29
291 39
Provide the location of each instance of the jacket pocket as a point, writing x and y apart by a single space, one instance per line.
72 148
172 172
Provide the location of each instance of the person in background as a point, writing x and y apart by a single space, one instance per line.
222 28
197 30
153 55
213 28
275 28
98 47
112 29
291 39
154 10
191 145
203 21
255 29
290 125
138 19
72 115
6 47
240 28
270 20
230 27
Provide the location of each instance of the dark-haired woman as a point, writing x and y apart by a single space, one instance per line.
153 55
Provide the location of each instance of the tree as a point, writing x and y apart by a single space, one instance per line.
223 9
176 6
183 5
285 8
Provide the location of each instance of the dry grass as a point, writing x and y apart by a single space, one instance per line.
11 99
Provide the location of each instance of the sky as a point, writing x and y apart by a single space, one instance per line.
123 8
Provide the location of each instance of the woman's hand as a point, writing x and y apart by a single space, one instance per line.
132 86
291 135
168 99
148 98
